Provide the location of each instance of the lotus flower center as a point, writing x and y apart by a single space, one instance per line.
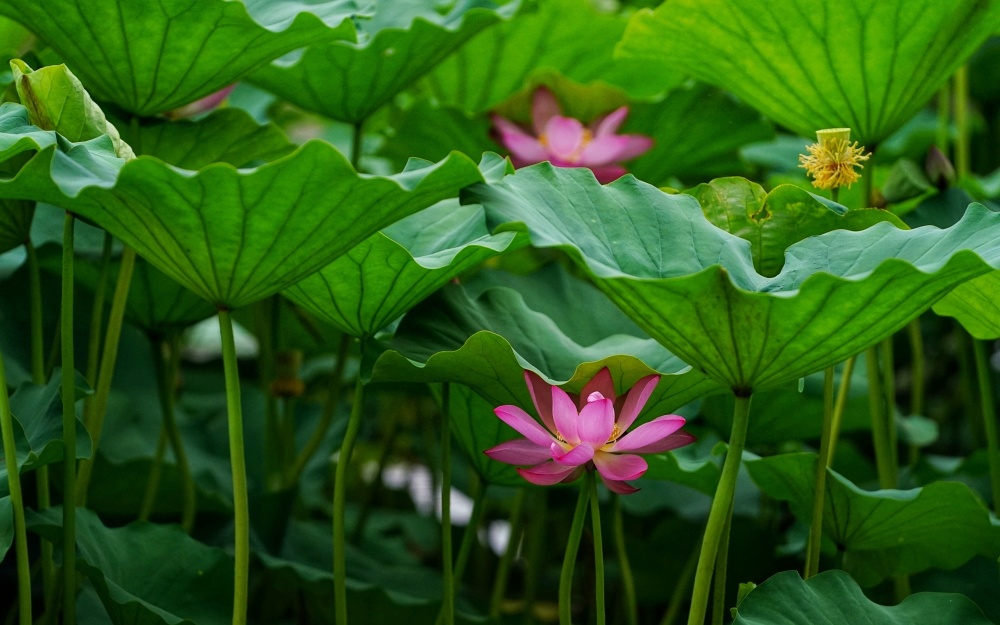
585 138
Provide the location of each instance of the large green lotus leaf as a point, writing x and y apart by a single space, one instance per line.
487 341
834 598
693 286
773 222
349 81
236 236
811 64
38 433
228 135
889 532
567 36
390 272
15 223
147 574
150 58
976 305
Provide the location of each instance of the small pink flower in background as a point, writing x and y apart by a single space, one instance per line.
566 142
203 105
583 432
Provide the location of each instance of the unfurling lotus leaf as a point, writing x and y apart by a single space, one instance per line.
694 288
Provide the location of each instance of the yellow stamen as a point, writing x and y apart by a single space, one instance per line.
615 433
832 160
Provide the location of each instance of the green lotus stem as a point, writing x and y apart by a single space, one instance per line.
819 485
595 522
448 573
329 409
719 512
880 431
835 194
944 118
340 504
241 506
503 567
838 408
17 502
153 480
266 310
69 426
471 532
109 356
628 580
38 377
97 321
989 420
673 610
569 561
967 380
889 388
721 572
357 140
166 375
962 122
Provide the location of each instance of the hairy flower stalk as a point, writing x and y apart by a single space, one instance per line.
833 158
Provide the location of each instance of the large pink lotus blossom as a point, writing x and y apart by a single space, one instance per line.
583 432
566 142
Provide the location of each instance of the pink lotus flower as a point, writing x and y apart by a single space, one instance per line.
582 432
203 105
566 142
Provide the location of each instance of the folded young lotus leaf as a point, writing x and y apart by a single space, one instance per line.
390 272
145 573
811 64
150 58
348 81
885 533
693 287
486 341
834 598
232 236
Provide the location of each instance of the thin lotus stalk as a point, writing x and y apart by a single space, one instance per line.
471 532
448 564
503 567
69 426
628 580
357 145
97 321
569 561
153 479
838 408
819 484
109 355
44 497
167 365
880 431
989 419
340 504
241 506
680 590
17 502
266 327
967 386
719 512
961 113
595 522
889 389
333 398
722 572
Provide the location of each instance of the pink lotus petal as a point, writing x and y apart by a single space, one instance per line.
601 383
541 396
576 456
648 434
619 466
636 146
203 105
564 137
524 148
608 173
519 451
544 107
547 473
608 125
618 486
674 441
603 151
637 397
524 424
596 422
565 416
